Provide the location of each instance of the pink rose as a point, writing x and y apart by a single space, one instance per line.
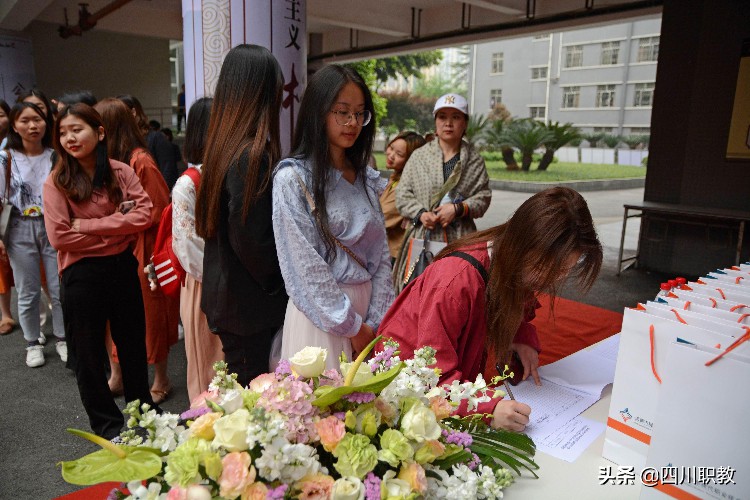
331 430
414 474
200 400
314 487
441 407
236 474
192 492
262 382
256 491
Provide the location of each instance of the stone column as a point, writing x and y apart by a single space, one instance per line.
212 27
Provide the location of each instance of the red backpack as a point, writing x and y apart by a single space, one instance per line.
165 269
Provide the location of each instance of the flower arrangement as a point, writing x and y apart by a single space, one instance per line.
381 429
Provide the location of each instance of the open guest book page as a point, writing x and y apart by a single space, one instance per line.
569 387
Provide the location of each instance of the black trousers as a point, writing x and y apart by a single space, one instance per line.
247 356
93 291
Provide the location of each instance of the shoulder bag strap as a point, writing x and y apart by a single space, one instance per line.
474 262
313 209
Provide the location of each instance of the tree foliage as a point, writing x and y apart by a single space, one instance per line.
366 70
408 112
406 65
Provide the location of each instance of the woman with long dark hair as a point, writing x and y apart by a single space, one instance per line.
26 162
243 291
126 144
328 224
95 208
202 348
479 293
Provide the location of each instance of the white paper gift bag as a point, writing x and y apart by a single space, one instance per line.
642 353
709 322
724 291
708 300
727 315
699 446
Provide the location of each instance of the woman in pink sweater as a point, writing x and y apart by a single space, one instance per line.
479 293
94 209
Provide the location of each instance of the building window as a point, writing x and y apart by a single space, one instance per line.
610 52
574 56
644 94
543 36
538 112
605 96
570 97
497 62
539 73
496 97
648 49
603 130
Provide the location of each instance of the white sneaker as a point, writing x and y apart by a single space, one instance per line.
34 356
62 350
42 338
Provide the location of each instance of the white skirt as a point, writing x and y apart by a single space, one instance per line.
300 332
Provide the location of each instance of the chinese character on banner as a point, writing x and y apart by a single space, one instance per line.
19 89
293 10
290 98
293 34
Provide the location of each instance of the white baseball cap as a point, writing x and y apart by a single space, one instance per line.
452 101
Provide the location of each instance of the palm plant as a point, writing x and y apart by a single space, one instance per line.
593 138
496 139
611 141
633 141
476 127
561 136
526 136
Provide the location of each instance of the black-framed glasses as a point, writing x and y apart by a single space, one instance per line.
345 118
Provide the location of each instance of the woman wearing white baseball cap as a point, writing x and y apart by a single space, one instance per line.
444 185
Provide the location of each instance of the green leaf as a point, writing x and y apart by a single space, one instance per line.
111 463
375 385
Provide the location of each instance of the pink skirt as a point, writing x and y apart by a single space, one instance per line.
300 332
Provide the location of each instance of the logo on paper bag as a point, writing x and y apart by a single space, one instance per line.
625 415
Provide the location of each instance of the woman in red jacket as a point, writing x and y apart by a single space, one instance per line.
479 293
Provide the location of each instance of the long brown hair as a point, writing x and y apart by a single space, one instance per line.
123 135
244 121
542 235
68 175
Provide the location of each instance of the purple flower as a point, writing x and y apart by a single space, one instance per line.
372 487
283 369
340 415
113 494
455 437
194 413
277 493
360 397
474 462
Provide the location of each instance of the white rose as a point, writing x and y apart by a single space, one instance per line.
392 487
364 373
231 431
232 401
348 488
419 424
197 492
309 362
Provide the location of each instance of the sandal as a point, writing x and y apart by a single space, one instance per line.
159 396
7 325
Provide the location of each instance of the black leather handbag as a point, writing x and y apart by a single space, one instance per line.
423 260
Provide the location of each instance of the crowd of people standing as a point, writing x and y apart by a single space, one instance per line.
279 253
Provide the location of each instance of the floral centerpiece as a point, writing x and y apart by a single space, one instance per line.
381 429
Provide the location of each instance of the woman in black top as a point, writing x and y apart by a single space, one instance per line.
243 291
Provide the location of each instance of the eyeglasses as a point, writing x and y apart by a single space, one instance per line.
344 118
